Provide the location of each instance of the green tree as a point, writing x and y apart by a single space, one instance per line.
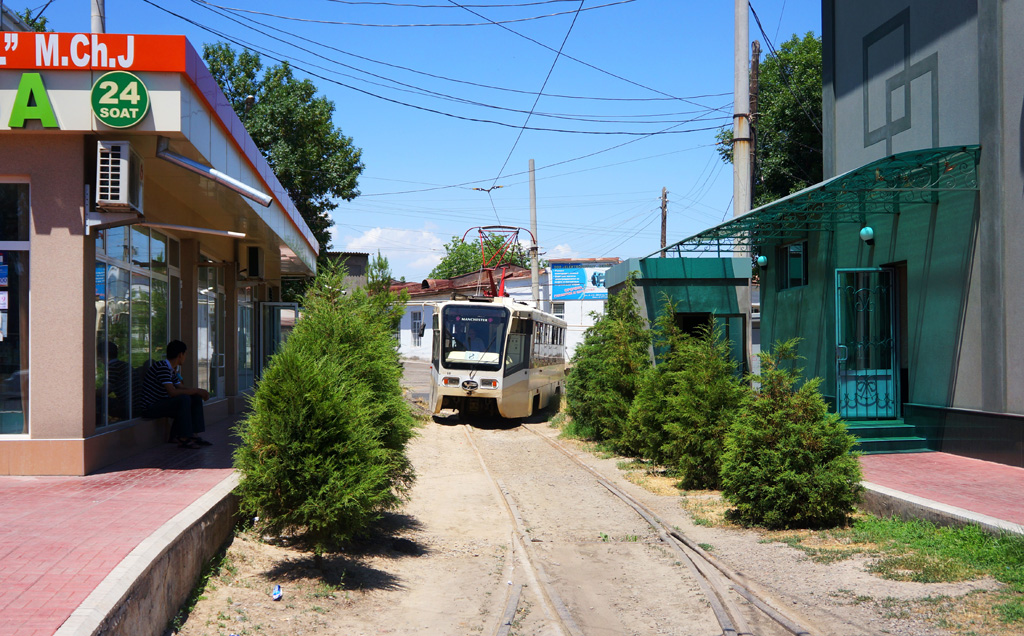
787 460
294 129
686 404
322 454
37 21
607 368
788 122
464 257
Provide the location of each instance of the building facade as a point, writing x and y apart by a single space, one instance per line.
134 209
899 272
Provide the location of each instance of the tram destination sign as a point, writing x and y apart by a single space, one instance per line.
119 99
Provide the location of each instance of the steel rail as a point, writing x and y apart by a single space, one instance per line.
697 559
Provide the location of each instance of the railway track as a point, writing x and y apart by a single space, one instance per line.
736 604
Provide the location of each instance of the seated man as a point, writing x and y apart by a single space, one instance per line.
164 396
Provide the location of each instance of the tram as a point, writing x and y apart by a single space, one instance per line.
495 356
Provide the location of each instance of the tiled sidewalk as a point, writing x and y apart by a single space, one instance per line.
995 490
61 536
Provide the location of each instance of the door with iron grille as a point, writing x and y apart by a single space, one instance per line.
867 373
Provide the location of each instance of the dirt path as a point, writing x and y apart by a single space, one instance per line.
444 565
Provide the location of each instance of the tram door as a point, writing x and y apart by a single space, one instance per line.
276 321
867 372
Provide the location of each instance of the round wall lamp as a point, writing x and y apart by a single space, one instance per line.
762 261
867 234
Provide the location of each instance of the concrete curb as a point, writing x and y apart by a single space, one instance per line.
148 586
886 502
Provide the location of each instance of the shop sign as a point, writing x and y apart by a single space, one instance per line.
93 51
119 99
32 102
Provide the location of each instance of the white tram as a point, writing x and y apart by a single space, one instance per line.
495 356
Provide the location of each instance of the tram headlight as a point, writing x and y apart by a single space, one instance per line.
488 384
450 381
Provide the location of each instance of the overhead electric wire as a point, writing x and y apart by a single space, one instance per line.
277 57
446 6
361 24
705 111
467 82
541 91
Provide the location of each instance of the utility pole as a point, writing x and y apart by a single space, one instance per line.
741 117
534 265
755 67
99 17
664 220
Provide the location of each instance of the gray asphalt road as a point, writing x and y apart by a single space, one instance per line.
416 378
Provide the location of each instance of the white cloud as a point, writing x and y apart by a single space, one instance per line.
410 253
562 250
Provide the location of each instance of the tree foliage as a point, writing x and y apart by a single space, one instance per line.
465 257
38 21
322 453
788 124
607 367
293 127
686 404
787 460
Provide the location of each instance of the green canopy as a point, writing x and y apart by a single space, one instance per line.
880 187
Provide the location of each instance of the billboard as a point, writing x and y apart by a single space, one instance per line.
579 281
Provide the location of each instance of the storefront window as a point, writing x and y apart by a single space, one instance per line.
132 317
210 334
14 288
245 338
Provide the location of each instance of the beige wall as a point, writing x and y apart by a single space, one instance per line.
60 367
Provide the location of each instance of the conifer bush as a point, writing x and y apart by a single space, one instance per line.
687 403
787 460
606 369
322 453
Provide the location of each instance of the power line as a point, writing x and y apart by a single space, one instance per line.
277 57
542 86
362 24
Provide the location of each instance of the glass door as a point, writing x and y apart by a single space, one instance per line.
866 366
276 321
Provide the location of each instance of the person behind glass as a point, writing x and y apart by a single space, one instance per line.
164 396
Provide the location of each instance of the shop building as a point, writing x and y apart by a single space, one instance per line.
134 209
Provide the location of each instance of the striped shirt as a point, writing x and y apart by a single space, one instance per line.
158 374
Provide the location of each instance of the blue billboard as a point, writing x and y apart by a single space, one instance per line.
579 281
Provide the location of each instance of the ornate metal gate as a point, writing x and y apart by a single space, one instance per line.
866 368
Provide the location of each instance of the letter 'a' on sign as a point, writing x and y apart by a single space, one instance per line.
32 102
119 99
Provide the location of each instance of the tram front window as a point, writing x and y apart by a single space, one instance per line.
474 336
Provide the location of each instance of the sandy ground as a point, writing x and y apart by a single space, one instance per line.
445 565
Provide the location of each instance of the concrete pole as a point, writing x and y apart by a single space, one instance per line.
534 264
99 17
664 220
740 120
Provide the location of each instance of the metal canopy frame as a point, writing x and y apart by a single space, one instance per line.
880 187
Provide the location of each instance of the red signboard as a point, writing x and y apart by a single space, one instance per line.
93 51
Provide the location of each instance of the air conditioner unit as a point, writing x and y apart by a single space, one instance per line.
118 177
254 262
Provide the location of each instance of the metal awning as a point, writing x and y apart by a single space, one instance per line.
880 187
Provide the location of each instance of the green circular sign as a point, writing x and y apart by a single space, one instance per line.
119 99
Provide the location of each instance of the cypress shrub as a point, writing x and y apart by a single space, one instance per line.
686 404
606 369
322 452
787 461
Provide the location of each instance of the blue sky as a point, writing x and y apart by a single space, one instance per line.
641 66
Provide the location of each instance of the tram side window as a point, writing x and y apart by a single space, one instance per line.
517 352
